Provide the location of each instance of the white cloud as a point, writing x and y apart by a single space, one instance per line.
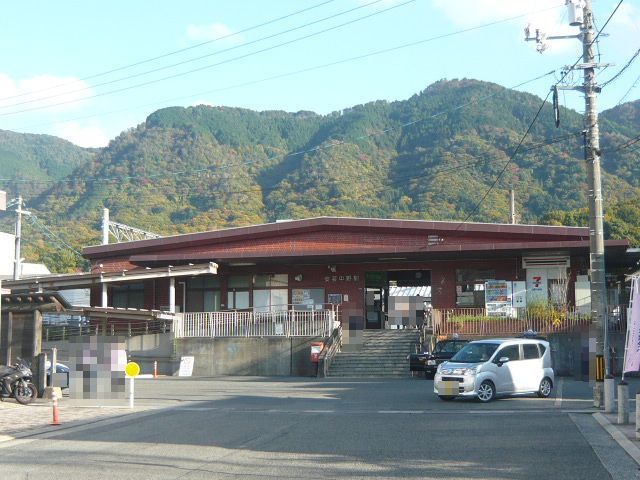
547 15
627 16
213 31
62 93
81 136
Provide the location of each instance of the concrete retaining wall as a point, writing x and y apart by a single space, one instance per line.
278 356
249 356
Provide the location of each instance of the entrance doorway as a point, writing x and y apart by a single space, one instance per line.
395 298
375 299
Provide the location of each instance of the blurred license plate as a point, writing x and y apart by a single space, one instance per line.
448 387
431 362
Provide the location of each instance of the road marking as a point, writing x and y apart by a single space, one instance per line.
403 412
6 438
558 401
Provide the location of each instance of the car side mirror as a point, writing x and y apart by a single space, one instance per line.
502 361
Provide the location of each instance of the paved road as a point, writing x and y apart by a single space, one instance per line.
300 428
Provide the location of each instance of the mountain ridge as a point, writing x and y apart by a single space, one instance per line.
446 153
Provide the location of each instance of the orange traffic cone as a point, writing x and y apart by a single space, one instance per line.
56 419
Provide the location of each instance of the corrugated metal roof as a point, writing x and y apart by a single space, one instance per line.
422 291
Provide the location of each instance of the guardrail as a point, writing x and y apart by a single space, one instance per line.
283 323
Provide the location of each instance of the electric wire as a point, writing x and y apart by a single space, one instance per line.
304 70
622 70
213 65
329 145
633 85
175 52
49 234
165 67
508 162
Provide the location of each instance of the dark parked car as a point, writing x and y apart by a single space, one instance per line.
428 362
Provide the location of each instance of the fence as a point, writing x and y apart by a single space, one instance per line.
287 323
475 322
129 329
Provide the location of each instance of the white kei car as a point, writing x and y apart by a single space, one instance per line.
486 368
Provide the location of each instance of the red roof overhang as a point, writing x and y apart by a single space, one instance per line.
522 235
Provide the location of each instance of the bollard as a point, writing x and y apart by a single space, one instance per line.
131 391
609 394
623 403
598 393
155 369
56 418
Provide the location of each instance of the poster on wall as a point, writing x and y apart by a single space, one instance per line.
498 298
307 298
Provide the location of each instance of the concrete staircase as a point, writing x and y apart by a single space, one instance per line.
383 354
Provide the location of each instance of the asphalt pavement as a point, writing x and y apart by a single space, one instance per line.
238 427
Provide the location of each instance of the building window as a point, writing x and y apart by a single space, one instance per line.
238 292
129 295
202 294
470 286
270 292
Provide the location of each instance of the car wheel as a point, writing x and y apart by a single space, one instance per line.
545 388
446 398
486 391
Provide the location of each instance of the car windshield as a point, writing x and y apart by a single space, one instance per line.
447 347
475 352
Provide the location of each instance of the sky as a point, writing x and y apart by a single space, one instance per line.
87 70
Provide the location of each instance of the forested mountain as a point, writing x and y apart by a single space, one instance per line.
30 163
443 154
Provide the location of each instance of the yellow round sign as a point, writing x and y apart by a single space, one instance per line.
132 369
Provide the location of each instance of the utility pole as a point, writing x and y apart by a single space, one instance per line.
512 207
17 263
580 14
596 230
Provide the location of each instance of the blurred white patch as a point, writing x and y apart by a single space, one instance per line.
81 136
213 31
627 16
42 91
548 16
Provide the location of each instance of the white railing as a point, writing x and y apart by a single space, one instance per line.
282 323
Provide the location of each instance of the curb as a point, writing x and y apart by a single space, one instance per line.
631 448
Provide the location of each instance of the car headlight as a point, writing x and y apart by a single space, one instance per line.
465 371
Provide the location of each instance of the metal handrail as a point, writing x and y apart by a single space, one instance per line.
332 346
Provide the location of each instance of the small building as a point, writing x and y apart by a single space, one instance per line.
354 262
272 290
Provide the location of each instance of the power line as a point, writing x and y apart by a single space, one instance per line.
536 118
206 67
398 181
175 52
622 70
633 85
52 236
319 147
308 69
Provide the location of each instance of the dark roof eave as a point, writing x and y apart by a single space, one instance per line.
430 252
